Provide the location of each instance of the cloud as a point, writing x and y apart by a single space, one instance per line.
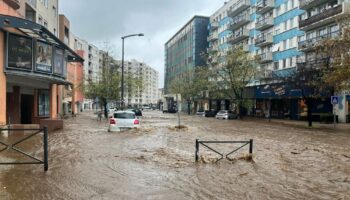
98 21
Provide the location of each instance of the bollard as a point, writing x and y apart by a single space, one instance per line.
251 146
46 160
197 149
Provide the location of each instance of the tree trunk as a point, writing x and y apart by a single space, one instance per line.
189 107
309 111
105 109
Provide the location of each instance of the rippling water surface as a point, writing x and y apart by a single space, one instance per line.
157 162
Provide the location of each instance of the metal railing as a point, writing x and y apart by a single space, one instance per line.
322 15
12 146
204 143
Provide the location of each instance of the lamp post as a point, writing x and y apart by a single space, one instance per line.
122 84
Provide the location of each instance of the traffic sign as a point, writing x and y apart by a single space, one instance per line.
334 100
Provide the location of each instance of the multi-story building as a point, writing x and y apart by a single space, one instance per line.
275 31
322 20
43 12
34 66
147 94
183 52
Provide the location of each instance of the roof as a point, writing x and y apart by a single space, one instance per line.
183 27
37 31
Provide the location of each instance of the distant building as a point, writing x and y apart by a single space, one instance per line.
148 94
183 52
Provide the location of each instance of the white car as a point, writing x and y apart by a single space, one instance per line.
226 114
123 120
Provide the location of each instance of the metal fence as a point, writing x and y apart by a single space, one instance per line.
12 146
204 143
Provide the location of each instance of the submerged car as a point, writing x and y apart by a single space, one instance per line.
226 114
123 120
200 112
209 113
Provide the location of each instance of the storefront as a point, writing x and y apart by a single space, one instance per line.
33 63
286 102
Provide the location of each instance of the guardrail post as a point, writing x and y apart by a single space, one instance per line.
197 149
251 146
46 160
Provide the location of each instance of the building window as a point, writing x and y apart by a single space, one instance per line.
43 103
284 63
276 65
291 62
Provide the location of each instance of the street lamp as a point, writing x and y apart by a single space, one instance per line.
122 93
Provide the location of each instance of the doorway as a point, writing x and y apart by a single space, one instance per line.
27 102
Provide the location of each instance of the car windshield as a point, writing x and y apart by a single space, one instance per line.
124 115
222 112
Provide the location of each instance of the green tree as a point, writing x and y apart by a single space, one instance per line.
233 74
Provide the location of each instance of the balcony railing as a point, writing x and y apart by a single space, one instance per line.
264 39
266 57
306 4
264 6
214 25
238 7
239 21
264 24
238 36
315 63
321 16
244 46
313 42
213 37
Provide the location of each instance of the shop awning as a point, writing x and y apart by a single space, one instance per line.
37 31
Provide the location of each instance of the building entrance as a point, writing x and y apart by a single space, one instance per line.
27 110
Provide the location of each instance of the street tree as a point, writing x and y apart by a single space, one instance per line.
232 76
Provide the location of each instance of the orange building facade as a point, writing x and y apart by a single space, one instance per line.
33 70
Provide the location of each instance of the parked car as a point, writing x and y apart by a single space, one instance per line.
146 107
123 120
210 113
226 114
137 112
200 112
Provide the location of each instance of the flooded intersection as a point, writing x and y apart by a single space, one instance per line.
157 162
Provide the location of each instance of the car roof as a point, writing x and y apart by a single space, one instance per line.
125 111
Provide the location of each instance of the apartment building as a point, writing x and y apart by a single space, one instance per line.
282 33
322 20
43 12
148 93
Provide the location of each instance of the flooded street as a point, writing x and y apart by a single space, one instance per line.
157 162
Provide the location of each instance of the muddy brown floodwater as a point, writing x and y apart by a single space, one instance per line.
157 162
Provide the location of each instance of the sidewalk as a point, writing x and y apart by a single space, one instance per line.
343 127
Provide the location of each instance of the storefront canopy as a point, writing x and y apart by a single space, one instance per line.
37 31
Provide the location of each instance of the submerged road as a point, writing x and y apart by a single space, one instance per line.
157 162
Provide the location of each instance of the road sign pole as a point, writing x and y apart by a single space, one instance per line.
334 118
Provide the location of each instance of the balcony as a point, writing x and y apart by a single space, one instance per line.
213 37
15 4
264 74
238 36
265 57
264 6
325 17
311 44
238 7
307 4
239 21
264 24
244 46
263 40
32 3
315 63
214 25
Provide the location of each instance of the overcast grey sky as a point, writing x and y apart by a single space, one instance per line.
98 21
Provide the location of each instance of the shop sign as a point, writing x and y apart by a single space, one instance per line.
43 57
20 52
58 63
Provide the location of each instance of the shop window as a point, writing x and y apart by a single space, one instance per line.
43 103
